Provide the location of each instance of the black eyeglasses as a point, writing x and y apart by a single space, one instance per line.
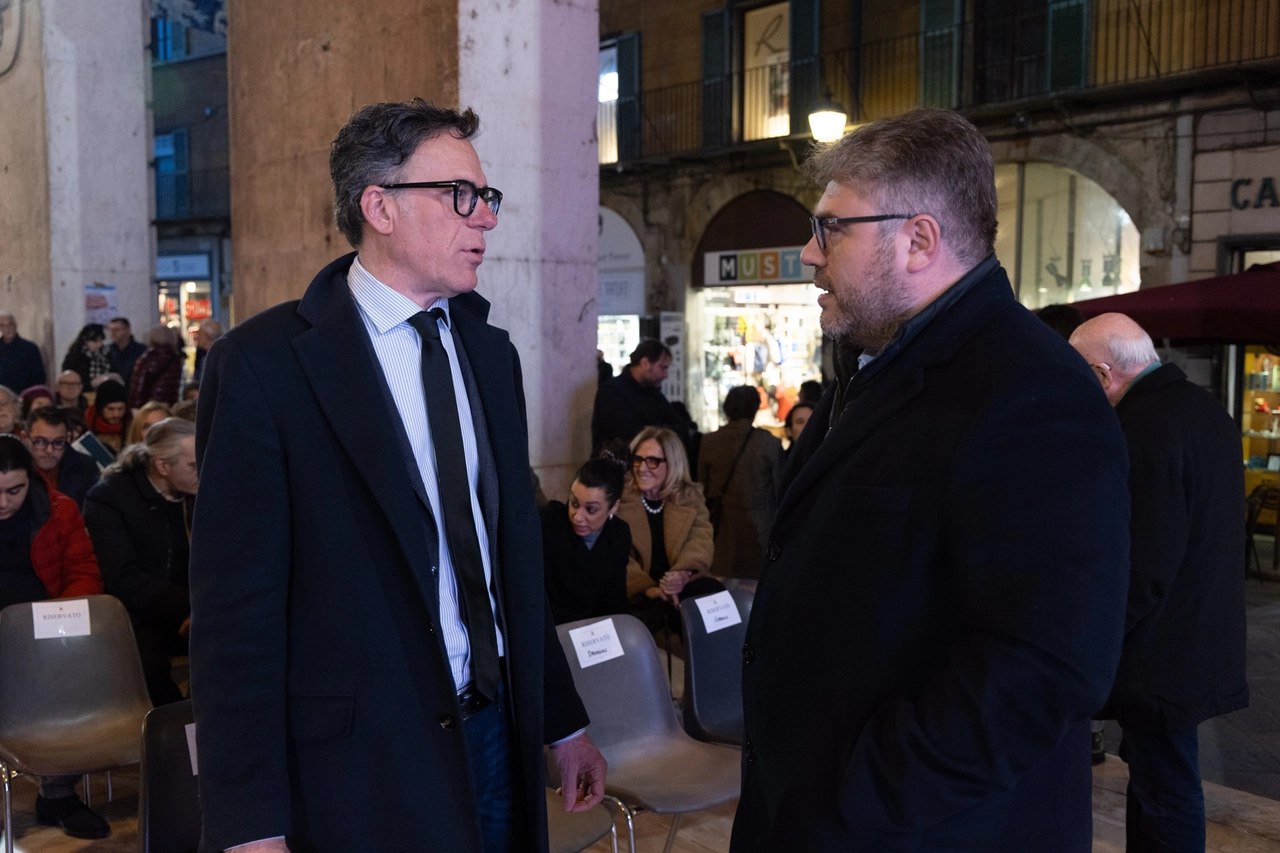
44 443
820 225
651 461
465 194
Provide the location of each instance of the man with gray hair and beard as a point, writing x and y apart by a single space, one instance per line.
942 603
1183 660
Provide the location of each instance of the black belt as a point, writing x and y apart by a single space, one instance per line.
471 701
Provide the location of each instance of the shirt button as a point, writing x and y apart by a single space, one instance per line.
775 551
447 723
748 654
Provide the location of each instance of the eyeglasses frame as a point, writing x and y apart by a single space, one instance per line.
819 224
478 193
647 461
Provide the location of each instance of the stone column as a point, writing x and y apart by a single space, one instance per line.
528 67
75 198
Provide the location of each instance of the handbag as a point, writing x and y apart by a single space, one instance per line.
715 505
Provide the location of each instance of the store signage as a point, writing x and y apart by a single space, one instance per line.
197 309
764 266
182 266
1248 192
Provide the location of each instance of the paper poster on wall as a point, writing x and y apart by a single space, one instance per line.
60 618
100 304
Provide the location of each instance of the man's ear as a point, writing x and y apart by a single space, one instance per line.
379 209
925 237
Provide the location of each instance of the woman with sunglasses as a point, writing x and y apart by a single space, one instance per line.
671 537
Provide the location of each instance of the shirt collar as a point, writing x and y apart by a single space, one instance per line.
1147 371
385 307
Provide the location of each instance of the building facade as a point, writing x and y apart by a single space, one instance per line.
1137 145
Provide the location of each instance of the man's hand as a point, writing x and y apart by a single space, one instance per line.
582 769
271 845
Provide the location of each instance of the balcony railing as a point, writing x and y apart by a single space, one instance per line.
193 195
1071 46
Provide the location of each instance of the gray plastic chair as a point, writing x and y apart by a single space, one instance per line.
573 832
169 800
713 673
653 764
68 705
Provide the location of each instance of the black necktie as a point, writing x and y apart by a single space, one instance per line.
455 501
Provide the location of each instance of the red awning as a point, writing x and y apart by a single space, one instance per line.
1242 308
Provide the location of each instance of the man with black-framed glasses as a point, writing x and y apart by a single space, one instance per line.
942 599
377 627
62 467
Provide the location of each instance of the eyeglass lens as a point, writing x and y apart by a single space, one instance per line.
42 443
465 194
651 461
819 232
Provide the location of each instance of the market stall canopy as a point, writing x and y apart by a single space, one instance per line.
1240 308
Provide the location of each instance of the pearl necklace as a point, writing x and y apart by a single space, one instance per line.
649 509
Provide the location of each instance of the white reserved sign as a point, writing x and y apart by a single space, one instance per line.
596 643
718 611
60 618
191 747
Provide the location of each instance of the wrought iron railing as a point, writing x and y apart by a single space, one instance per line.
193 195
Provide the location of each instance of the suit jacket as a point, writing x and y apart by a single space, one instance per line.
686 533
749 497
942 603
325 705
1184 648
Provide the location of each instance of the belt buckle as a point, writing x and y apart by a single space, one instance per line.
471 702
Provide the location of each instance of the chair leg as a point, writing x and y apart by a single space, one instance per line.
8 810
671 836
631 826
613 837
88 796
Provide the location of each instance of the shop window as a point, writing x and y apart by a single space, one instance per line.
939 52
607 109
766 72
1062 237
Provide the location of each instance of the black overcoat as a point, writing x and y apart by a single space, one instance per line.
325 708
942 603
1184 647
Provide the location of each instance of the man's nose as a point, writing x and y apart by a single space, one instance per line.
812 255
484 218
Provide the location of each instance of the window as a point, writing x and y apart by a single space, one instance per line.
939 52
766 83
173 179
1028 47
607 108
168 40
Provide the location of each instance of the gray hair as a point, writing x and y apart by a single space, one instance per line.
923 161
162 336
162 441
212 328
7 395
1131 352
375 142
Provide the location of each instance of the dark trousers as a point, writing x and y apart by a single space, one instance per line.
157 644
494 776
1165 802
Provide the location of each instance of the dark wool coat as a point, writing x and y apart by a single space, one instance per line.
325 703
157 375
750 499
584 582
623 407
1184 646
21 365
942 603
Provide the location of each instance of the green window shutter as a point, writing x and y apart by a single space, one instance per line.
628 96
181 175
939 52
1068 44
717 84
806 69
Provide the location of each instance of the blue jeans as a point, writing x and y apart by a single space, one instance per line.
1164 812
493 775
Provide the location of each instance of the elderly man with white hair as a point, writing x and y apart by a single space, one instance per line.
1184 649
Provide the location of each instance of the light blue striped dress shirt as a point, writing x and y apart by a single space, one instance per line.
399 349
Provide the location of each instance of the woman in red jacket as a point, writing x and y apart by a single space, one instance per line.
45 553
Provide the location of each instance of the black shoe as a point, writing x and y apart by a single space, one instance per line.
1099 747
75 818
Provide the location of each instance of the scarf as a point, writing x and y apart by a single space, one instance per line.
98 361
98 426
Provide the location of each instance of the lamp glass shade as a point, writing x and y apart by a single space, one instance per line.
827 123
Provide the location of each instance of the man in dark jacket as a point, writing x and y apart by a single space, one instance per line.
124 350
60 465
1184 649
139 518
21 364
942 602
633 399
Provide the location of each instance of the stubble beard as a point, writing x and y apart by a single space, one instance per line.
866 317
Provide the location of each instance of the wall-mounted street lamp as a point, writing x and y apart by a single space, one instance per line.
827 120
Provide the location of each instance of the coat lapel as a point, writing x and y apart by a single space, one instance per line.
338 359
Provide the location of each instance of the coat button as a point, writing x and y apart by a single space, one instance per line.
751 753
775 551
447 723
748 654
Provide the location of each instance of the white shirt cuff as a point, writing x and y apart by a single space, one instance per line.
570 737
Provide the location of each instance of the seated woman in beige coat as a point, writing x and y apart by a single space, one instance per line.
671 538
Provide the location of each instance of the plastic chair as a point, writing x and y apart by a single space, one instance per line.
653 765
169 800
68 705
573 832
713 673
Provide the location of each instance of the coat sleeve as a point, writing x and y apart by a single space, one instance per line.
1034 535
144 594
240 573
698 549
79 564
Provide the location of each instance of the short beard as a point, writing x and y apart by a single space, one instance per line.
867 318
